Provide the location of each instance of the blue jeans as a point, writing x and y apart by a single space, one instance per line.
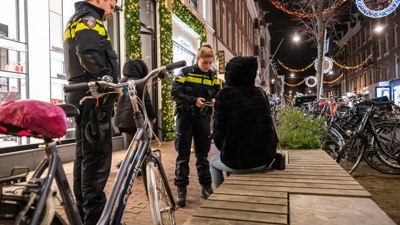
217 167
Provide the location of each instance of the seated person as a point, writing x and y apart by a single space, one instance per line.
243 129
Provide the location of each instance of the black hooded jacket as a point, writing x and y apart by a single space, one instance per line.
133 69
242 125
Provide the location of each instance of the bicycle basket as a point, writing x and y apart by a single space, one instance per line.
31 118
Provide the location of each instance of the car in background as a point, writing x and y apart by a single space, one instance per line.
302 101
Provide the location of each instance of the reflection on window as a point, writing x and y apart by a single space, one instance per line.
193 3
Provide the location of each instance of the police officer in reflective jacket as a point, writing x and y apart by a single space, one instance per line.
194 94
89 56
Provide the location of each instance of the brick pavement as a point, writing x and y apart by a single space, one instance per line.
138 210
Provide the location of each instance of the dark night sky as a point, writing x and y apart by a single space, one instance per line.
296 55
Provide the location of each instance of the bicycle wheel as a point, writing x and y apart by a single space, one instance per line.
10 211
389 133
351 154
380 161
161 204
333 143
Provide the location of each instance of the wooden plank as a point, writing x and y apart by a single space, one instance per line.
324 169
242 215
287 176
312 162
249 199
212 221
250 207
296 190
271 194
312 165
290 184
298 173
293 180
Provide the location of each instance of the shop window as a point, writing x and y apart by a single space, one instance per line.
230 31
147 13
365 35
13 59
240 42
236 40
218 18
387 44
396 63
396 31
224 33
380 49
193 3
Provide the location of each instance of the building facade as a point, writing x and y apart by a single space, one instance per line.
379 75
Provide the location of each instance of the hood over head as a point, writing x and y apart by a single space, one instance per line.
241 71
135 68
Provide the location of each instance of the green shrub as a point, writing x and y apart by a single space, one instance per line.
297 129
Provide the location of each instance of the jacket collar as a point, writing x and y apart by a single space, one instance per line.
83 4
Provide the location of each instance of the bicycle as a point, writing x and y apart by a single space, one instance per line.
35 204
381 153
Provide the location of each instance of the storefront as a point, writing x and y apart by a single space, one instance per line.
186 42
396 92
31 54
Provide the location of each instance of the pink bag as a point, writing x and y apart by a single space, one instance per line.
36 118
321 104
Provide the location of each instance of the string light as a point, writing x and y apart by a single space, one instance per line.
303 15
296 70
352 67
330 82
292 85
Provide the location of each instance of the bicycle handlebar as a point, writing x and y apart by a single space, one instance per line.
86 85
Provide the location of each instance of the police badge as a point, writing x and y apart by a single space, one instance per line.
89 21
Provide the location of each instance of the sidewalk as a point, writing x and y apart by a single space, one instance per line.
138 210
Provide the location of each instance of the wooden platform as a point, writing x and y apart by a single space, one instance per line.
263 198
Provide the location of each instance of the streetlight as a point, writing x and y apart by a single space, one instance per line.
330 72
309 91
379 28
290 91
292 75
296 38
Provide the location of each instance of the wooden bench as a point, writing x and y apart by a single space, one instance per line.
313 189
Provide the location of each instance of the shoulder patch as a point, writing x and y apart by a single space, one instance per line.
89 21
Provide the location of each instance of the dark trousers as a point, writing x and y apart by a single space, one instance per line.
91 165
188 126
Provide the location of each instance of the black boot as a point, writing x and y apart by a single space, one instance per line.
206 191
181 199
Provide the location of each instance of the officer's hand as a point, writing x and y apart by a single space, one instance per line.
213 102
200 103
153 121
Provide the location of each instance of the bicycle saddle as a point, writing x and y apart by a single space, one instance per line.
70 110
32 118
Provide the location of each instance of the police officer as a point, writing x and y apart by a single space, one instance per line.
89 56
194 95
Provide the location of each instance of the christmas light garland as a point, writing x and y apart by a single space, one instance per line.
166 48
330 82
352 67
132 30
184 14
296 70
166 58
292 85
302 15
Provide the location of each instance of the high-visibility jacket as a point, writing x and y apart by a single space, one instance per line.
193 84
88 52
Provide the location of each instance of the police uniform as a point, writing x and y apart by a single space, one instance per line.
88 56
191 121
